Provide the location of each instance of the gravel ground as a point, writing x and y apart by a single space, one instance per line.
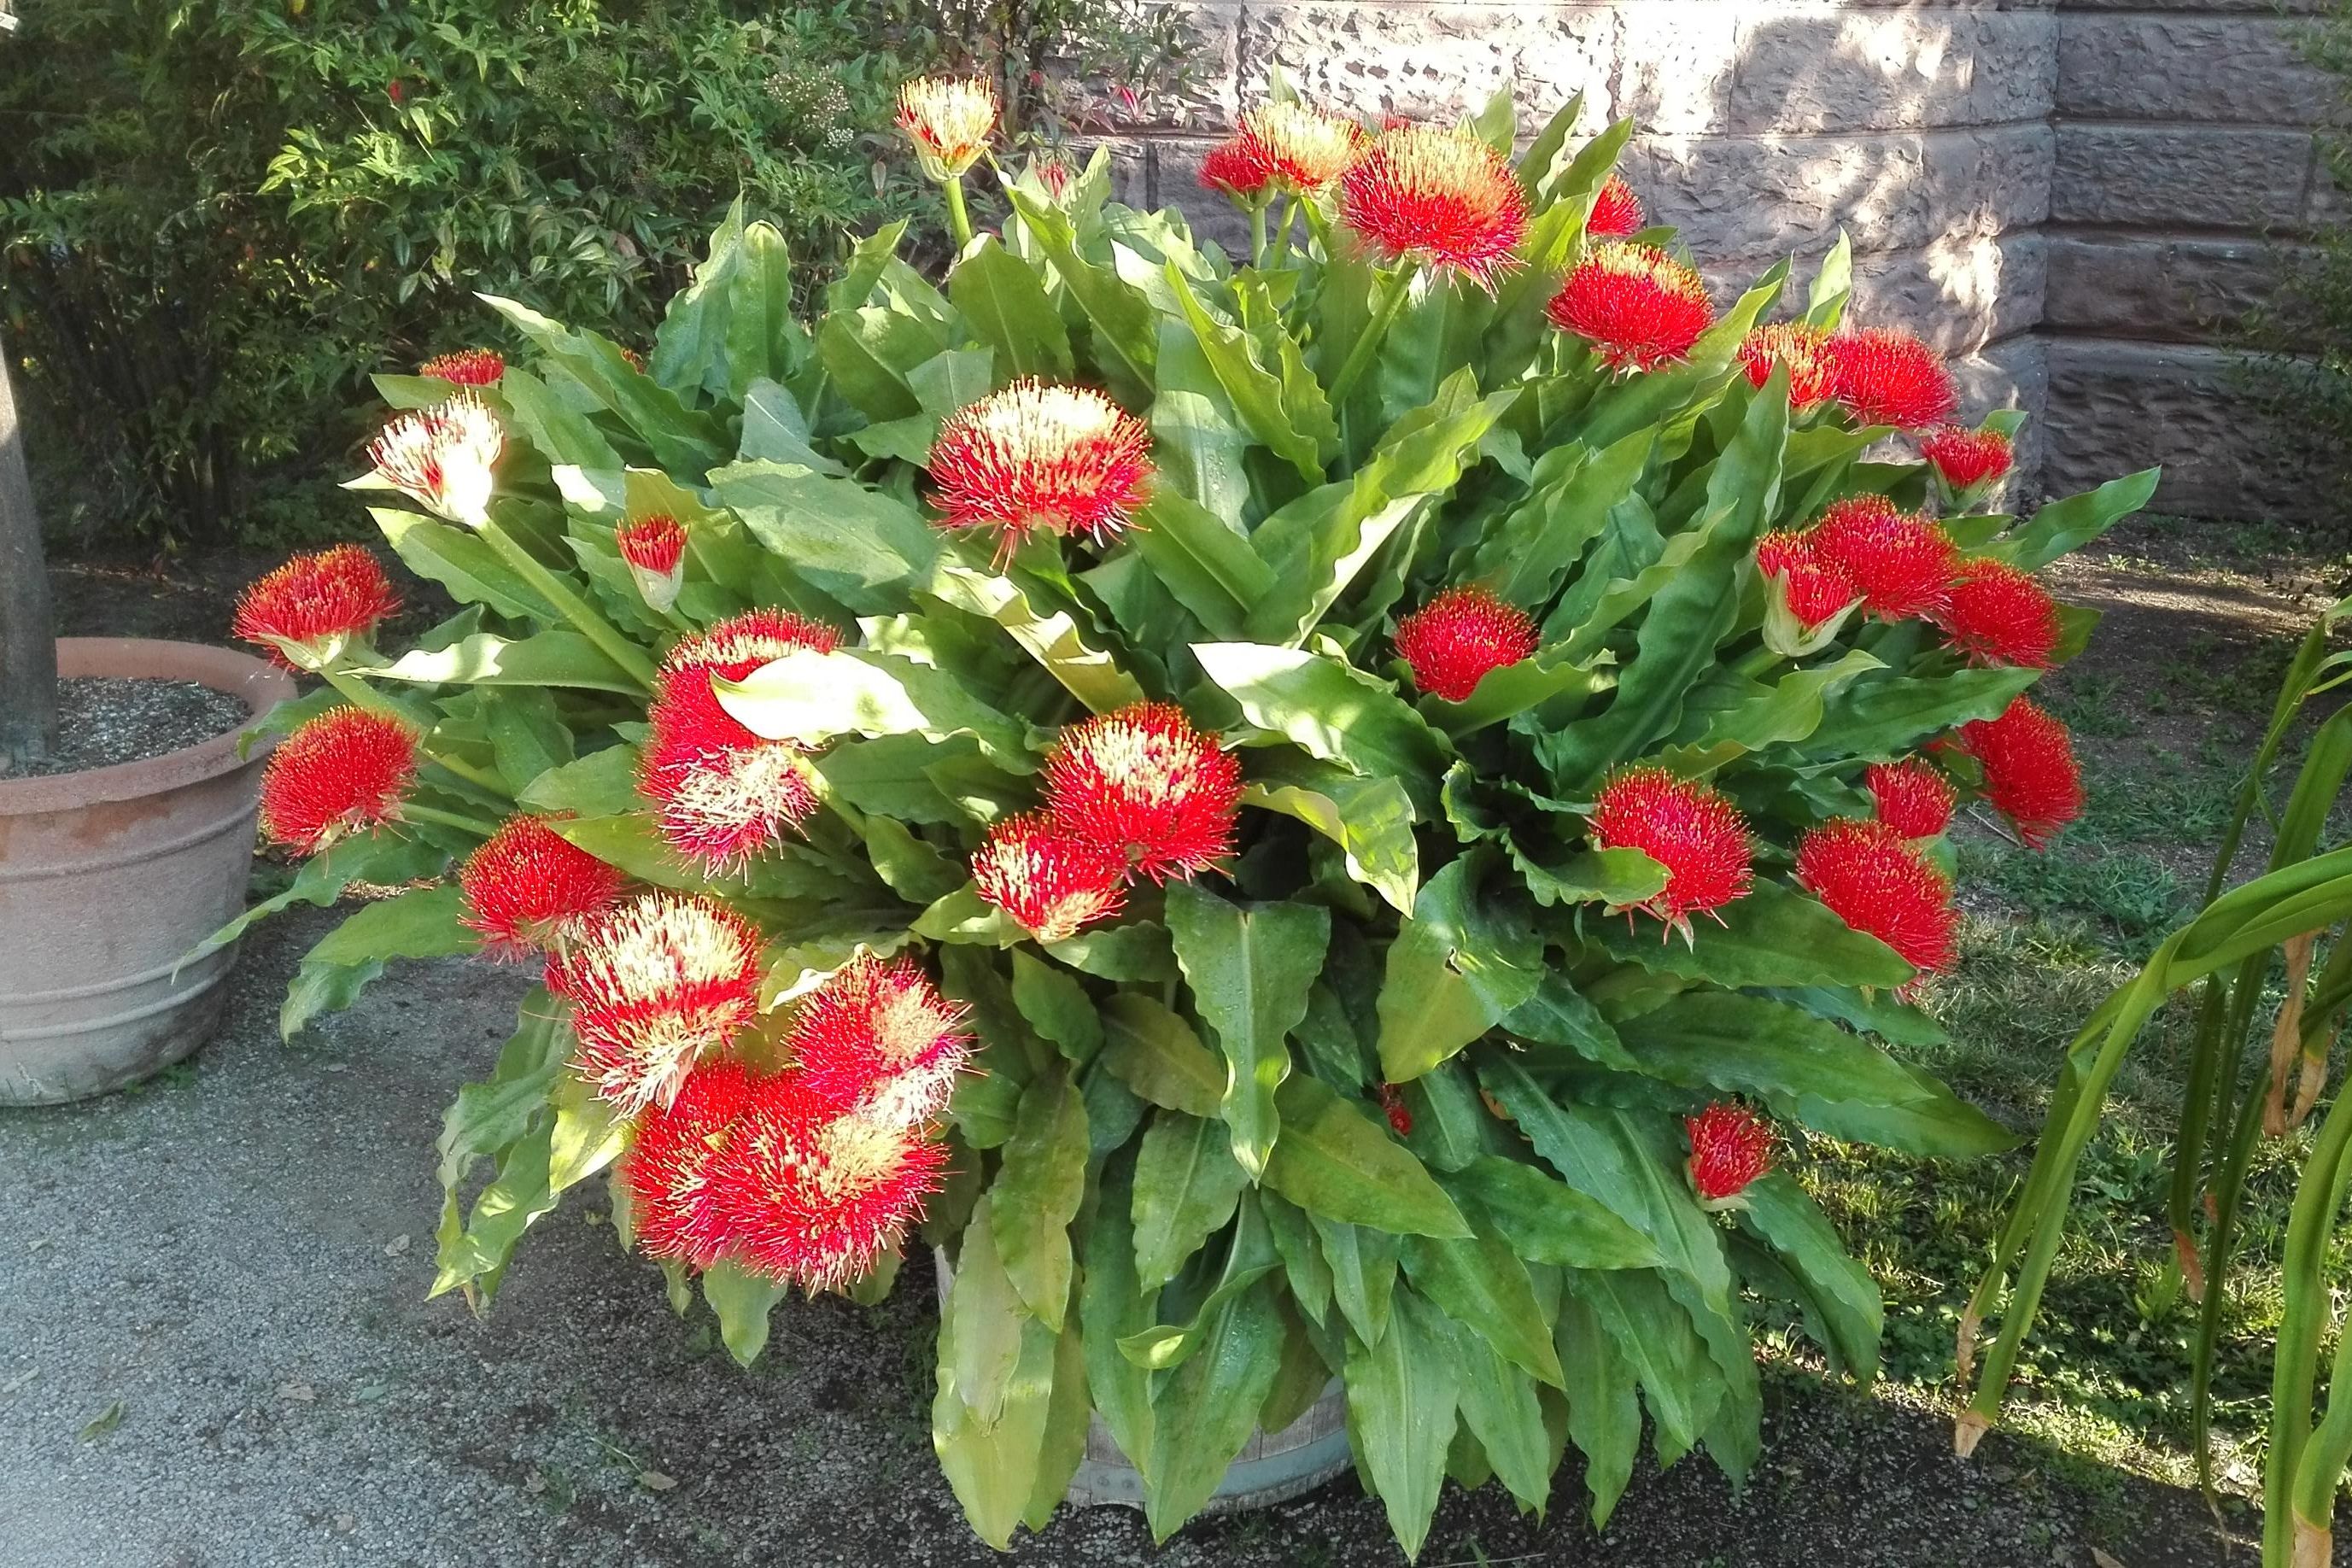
104 720
216 1353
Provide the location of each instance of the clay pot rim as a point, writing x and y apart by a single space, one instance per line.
262 686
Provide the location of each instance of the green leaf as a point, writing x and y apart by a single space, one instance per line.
1499 1405
1880 717
506 1117
1771 936
1112 1304
1256 392
1834 1081
1841 1296
855 544
1249 967
1514 688
1157 1055
558 657
980 1321
913 869
1402 1394
1369 819
1525 555
1334 1161
1303 1263
1122 317
2067 525
1040 1179
1135 951
1480 1283
1187 1184
996 1375
1007 309
1069 1417
461 563
1210 570
1832 286
1786 712
1057 1008
812 697
1604 1412
1331 710
1547 1221
601 784
741 1300
1363 1264
1053 640
1212 1400
423 924
1250 1257
383 856
1447 981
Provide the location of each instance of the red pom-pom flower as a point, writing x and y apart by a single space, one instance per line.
1240 167
1053 883
1912 797
1437 195
1997 613
1887 377
653 550
654 986
1143 784
343 772
877 1038
1637 306
949 119
1034 457
1902 561
467 367
1686 827
2031 775
1453 641
316 601
1966 458
1616 211
1876 879
1290 147
529 889
444 457
1731 1146
1816 590
1803 350
667 1166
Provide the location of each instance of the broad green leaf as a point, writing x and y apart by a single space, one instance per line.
892 775
914 869
1053 640
859 546
460 562
382 856
1880 717
1156 1054
1248 967
1069 1417
1007 308
683 440
561 434
1057 1008
1558 1015
1249 1258
1499 1406
1648 1331
1187 1184
1334 1161
1842 1297
1331 710
1448 978
1112 1304
1832 286
1135 951
1605 1410
776 431
1786 712
981 1322
1199 447
741 1300
2067 525
1256 392
1369 819
1516 687
1401 1412
1524 557
506 1117
423 923
1209 568
1547 1221
556 657
992 1451
1122 317
812 697
1303 1262
1212 1400
1480 1283
1363 1264
1041 1178
1771 936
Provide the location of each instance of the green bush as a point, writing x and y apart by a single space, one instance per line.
216 219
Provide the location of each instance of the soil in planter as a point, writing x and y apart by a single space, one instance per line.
105 720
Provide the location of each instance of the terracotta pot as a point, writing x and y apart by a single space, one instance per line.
107 877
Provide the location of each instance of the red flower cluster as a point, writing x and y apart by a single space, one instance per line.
1966 458
1997 613
1876 880
1815 588
529 889
1290 147
2030 771
467 367
1888 376
343 772
1913 798
668 1167
1901 562
1438 196
1453 641
1635 304
1805 350
723 793
1731 1146
316 601
1616 211
1034 456
656 985
878 1039
653 550
1686 827
1051 882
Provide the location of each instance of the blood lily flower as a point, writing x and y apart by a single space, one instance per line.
1143 786
1876 879
528 889
444 457
1809 593
1887 377
1997 613
1453 641
1637 306
800 1195
1686 827
653 550
656 985
321 601
1967 459
1239 166
1038 458
1053 883
668 1162
1803 350
1439 196
1616 211
722 793
1913 797
1731 1147
1305 148
1901 562
1392 1106
949 119
2031 775
343 772
877 1038
467 367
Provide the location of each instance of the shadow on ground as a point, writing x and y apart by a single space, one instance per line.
218 1354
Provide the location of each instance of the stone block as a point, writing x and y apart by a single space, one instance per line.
1959 295
1171 178
2175 177
1676 67
2191 68
1873 69
2119 406
2170 288
1433 62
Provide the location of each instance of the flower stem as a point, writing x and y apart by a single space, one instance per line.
1360 358
360 694
958 218
568 603
1280 253
1754 663
411 812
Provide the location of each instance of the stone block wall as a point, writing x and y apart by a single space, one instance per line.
2062 194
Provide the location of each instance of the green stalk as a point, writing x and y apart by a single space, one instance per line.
1360 358
411 812
2229 1188
2294 1373
629 655
1281 253
958 219
1257 232
2327 1449
360 694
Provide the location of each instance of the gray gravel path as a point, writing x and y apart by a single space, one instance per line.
225 1270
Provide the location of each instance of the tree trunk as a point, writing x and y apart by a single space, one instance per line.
28 650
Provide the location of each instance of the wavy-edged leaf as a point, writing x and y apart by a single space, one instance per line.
1371 819
1248 967
1006 306
854 543
1212 1400
1053 639
1547 1221
1771 936
812 697
1402 1396
1157 1055
1187 1184
1331 710
1040 1179
1479 1282
1840 1297
1335 1163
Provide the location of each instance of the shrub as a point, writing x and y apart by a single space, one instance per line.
1307 821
